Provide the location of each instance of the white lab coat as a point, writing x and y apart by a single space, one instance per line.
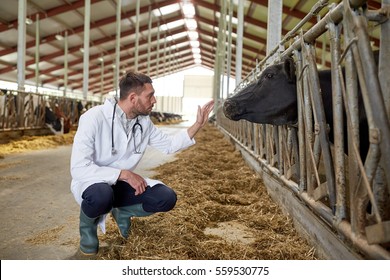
92 160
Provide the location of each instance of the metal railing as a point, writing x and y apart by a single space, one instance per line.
349 192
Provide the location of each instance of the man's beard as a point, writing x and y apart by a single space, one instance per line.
144 112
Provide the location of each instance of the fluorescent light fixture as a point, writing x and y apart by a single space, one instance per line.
59 37
171 25
176 36
196 50
195 44
198 61
191 23
197 56
163 27
188 10
156 13
193 35
166 10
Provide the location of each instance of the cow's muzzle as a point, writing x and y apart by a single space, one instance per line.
231 110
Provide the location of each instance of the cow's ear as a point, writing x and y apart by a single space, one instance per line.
289 69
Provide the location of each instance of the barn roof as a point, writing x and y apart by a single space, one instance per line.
182 37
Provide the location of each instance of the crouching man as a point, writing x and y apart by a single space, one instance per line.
110 141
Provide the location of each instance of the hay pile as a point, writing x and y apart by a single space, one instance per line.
223 212
28 143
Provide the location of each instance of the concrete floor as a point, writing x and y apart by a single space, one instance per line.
38 214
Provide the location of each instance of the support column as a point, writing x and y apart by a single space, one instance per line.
220 54
22 8
229 48
384 66
136 37
117 68
37 41
239 43
22 11
158 49
149 38
87 18
274 25
65 63
101 78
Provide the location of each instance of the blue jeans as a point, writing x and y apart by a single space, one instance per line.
100 198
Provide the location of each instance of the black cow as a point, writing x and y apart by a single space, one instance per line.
272 99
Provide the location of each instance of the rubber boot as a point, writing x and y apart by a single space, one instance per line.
89 242
122 217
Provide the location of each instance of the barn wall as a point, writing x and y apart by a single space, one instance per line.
198 89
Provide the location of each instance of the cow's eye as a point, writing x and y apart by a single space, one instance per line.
270 75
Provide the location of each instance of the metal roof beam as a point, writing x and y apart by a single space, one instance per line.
48 13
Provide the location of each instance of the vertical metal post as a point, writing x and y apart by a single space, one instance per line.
87 18
66 63
158 48
136 36
218 69
149 38
274 36
22 11
101 78
229 47
274 25
22 8
319 114
384 65
165 53
372 94
301 125
338 120
37 41
240 33
117 47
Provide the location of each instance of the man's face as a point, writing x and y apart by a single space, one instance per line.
145 101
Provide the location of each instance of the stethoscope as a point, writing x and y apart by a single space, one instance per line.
136 126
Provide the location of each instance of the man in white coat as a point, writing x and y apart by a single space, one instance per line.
110 141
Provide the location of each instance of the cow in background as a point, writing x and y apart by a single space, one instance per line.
66 120
56 120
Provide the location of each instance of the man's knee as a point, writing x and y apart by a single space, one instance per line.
97 200
164 199
169 202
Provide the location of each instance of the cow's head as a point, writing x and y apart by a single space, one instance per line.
269 100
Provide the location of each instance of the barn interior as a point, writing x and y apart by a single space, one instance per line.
61 54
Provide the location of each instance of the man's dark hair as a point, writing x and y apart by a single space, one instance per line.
132 82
